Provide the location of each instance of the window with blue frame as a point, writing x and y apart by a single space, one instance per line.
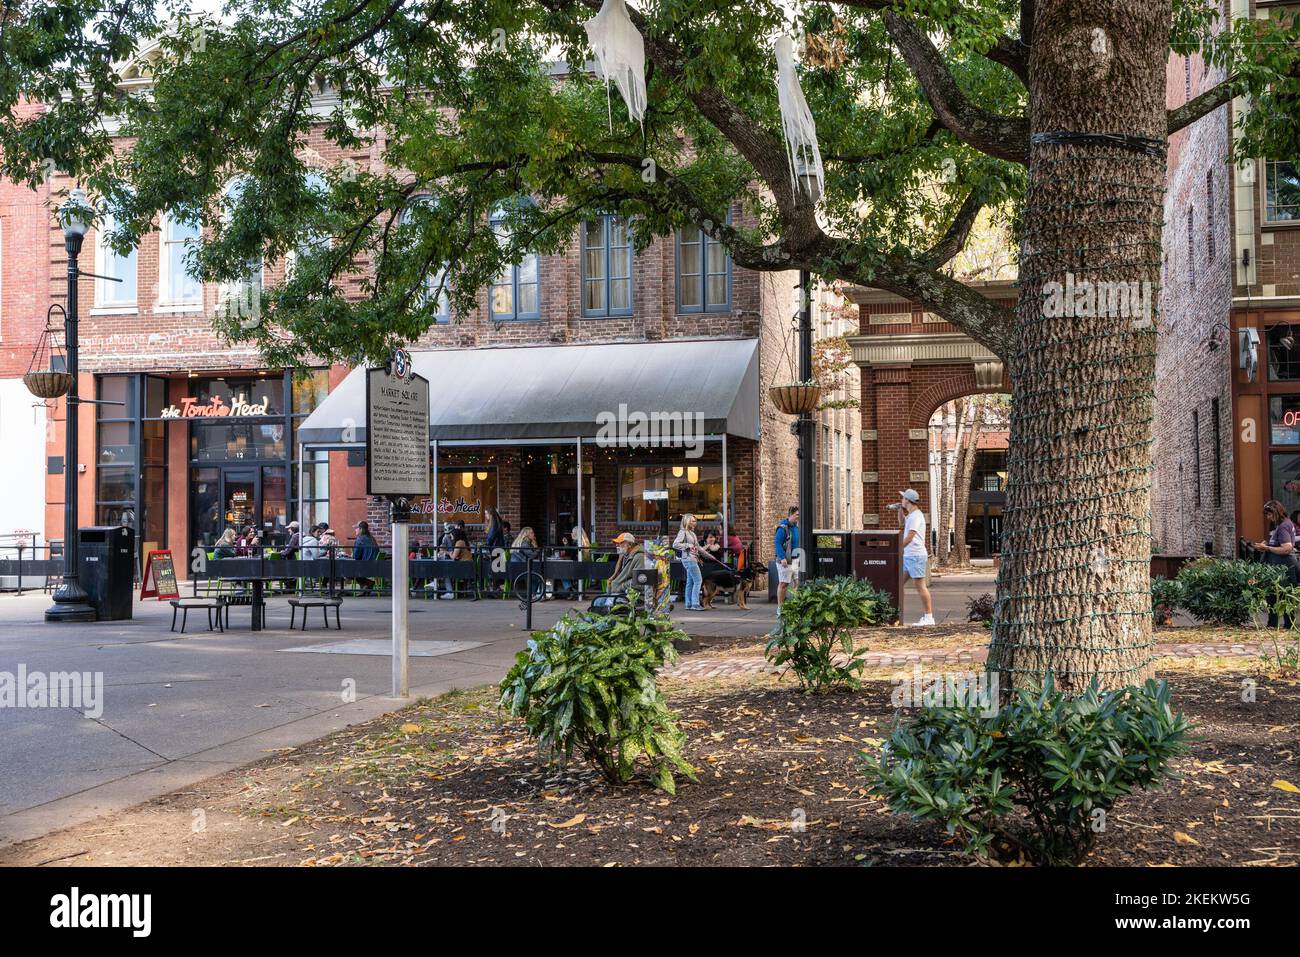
516 291
703 272
606 267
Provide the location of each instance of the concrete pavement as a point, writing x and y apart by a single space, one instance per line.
177 709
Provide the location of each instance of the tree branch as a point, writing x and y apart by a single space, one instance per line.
1003 137
915 278
1013 55
954 240
1203 105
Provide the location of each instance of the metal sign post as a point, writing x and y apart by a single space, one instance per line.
400 517
397 467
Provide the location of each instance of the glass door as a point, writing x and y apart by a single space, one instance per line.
274 507
240 499
205 507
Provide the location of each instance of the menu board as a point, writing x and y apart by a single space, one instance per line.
159 580
397 434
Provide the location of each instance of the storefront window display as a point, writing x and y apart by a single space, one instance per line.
691 488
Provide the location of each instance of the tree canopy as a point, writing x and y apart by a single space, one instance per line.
469 106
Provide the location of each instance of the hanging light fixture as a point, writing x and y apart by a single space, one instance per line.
481 476
467 479
677 471
693 474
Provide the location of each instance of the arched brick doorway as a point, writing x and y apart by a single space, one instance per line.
911 363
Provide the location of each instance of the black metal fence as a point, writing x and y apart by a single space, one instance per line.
25 566
487 573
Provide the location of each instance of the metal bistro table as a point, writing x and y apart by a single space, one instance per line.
255 572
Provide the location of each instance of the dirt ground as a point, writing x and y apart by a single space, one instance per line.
452 781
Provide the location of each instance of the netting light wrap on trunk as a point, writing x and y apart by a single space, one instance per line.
797 123
620 55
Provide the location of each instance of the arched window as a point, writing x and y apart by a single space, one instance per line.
176 287
435 288
606 267
313 238
516 291
246 292
111 295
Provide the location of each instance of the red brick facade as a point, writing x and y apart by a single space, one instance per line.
179 344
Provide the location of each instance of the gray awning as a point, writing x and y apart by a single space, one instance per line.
563 392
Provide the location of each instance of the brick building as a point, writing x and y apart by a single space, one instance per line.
153 460
912 362
1228 371
24 299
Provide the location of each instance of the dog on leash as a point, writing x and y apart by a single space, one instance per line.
723 579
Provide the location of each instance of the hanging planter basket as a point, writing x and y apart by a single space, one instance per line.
44 378
47 384
797 399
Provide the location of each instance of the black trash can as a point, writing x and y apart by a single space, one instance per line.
106 569
832 554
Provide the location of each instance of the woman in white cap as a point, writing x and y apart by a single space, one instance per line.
916 559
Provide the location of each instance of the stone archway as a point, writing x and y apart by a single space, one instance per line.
911 363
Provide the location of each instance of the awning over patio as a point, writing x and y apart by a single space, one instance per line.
564 392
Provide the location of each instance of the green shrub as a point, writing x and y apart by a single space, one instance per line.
1226 591
816 622
981 609
588 685
1166 598
1038 777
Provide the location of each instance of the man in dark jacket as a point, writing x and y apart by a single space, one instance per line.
365 549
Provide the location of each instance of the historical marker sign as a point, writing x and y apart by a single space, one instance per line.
397 432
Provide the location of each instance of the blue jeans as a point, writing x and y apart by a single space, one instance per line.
693 582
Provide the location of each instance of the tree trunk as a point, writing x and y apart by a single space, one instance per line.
1074 588
944 522
961 483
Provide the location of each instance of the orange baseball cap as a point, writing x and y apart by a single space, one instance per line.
626 537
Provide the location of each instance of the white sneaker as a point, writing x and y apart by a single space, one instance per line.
923 621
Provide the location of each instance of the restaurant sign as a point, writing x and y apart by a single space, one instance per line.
216 407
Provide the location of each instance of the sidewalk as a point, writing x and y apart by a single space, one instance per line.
178 709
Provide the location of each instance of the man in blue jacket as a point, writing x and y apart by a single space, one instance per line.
786 543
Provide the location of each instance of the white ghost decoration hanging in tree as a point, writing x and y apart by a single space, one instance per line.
620 55
797 122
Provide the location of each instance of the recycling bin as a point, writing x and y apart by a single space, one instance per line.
877 556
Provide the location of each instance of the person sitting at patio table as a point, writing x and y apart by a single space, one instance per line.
294 542
525 544
225 547
365 549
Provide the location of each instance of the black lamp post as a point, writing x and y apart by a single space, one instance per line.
70 599
807 436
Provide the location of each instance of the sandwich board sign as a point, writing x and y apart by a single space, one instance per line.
159 580
397 430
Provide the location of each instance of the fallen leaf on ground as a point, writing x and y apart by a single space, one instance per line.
571 822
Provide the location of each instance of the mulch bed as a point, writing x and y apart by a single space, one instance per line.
451 781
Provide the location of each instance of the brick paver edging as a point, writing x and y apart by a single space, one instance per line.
695 666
